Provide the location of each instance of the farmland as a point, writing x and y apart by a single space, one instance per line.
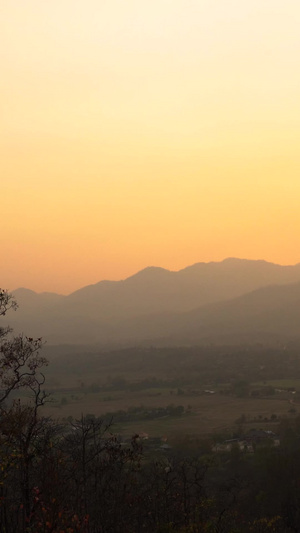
111 384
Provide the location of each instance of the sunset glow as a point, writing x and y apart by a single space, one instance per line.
146 133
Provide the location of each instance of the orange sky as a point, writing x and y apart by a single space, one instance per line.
160 132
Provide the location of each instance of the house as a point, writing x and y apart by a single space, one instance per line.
248 442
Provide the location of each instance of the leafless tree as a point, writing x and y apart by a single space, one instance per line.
20 359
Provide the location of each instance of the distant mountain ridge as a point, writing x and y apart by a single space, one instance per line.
157 303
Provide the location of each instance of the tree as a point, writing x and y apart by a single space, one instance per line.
20 360
21 428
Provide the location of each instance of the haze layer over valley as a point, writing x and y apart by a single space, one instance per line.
232 301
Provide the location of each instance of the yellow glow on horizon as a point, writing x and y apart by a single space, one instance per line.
147 132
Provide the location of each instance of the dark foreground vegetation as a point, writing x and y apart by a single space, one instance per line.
78 477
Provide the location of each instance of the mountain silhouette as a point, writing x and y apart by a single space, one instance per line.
202 301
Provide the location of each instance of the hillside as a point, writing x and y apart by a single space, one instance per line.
159 304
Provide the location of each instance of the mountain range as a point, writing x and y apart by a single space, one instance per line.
235 300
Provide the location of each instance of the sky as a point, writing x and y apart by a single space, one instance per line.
146 132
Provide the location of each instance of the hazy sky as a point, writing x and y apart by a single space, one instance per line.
146 132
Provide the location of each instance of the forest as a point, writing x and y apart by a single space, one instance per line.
81 476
